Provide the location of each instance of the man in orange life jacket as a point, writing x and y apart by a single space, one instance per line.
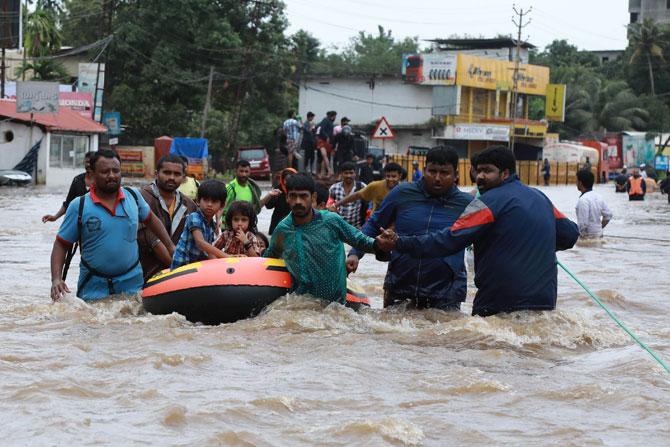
636 186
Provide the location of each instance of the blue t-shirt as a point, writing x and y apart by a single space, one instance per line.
108 242
187 251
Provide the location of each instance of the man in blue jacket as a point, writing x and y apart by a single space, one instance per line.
515 231
428 205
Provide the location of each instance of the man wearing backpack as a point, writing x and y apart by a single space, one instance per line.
104 222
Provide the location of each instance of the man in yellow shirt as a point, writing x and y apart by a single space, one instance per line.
375 192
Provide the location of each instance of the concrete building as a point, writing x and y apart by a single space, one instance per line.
503 49
658 10
64 138
460 94
605 56
364 100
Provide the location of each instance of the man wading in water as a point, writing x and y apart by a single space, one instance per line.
105 222
170 206
515 231
428 205
311 243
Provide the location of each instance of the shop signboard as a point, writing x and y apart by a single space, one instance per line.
36 97
478 132
92 78
429 69
492 74
661 163
80 102
554 109
132 162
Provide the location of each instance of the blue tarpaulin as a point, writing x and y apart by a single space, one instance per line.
189 147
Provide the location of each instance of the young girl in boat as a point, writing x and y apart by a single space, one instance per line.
239 237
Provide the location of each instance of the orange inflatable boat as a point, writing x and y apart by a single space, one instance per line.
225 290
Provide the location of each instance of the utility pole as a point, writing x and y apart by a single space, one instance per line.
243 86
520 13
207 100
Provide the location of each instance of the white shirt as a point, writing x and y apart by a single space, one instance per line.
590 209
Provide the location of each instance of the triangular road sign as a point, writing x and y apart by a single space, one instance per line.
383 130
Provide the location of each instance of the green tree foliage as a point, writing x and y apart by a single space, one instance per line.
158 64
42 39
646 42
368 54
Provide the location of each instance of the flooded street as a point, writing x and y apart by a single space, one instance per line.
302 375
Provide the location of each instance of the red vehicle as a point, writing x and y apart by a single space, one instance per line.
259 160
414 69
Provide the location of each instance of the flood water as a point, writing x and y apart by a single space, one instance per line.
302 375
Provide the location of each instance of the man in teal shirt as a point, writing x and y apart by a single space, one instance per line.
311 244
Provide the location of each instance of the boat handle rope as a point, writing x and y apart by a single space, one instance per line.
613 317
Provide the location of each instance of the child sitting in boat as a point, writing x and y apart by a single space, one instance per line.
196 239
240 236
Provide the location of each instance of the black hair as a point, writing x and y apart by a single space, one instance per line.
88 154
585 176
103 153
322 193
393 167
242 164
443 155
310 114
473 160
347 166
171 158
212 189
331 113
499 156
370 155
244 208
290 114
300 182
264 239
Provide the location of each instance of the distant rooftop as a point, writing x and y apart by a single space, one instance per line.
478 44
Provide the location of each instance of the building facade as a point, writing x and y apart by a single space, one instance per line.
63 138
658 10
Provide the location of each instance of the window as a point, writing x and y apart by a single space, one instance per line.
633 17
67 151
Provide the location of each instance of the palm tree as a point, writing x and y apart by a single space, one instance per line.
646 39
42 38
596 105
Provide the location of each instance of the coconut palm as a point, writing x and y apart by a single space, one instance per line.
42 38
596 105
647 41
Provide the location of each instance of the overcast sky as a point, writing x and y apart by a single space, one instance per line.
588 24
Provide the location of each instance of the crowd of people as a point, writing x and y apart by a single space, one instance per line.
421 228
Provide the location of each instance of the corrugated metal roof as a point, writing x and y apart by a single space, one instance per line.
66 120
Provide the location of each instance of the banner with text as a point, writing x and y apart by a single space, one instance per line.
494 74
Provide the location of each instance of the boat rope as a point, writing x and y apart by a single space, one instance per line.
613 317
639 238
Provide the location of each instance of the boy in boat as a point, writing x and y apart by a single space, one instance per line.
197 237
311 243
239 237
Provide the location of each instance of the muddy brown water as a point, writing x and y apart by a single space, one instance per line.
301 374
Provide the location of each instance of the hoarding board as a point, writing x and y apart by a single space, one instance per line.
37 97
554 107
429 69
495 74
481 132
132 162
88 75
80 102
